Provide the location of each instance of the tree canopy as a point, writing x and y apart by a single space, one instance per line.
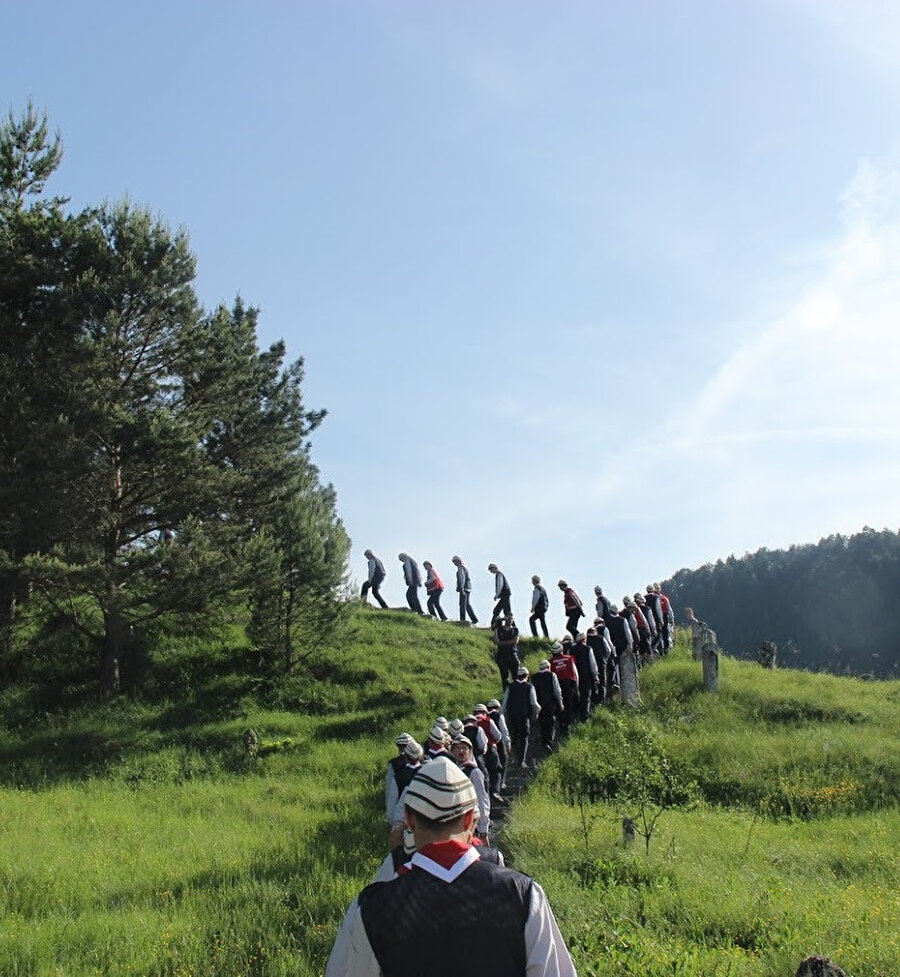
151 450
830 605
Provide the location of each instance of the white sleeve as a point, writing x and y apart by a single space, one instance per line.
535 594
545 950
385 871
482 740
352 954
484 802
399 815
391 792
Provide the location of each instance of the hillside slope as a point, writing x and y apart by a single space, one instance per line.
139 838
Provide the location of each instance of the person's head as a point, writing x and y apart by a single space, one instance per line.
535 580
510 621
493 704
493 568
440 803
436 738
461 749
639 598
455 560
402 556
413 753
556 648
561 584
522 673
544 666
649 588
599 622
656 588
427 564
591 631
579 636
627 601
613 609
442 723
402 740
598 591
480 709
368 553
469 721
567 639
456 727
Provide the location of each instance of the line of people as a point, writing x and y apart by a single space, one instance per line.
650 615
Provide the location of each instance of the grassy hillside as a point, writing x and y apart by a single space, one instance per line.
139 838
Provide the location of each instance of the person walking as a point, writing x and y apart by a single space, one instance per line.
521 708
448 911
540 604
412 576
506 635
587 674
464 589
549 697
572 605
434 587
502 594
375 577
495 711
563 667
602 604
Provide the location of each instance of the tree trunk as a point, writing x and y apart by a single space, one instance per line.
110 682
113 625
288 630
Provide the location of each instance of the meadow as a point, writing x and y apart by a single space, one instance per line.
139 837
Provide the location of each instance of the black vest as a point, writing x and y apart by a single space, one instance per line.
619 633
405 775
518 702
543 688
417 924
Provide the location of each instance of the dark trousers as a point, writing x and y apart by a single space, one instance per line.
534 618
508 663
501 609
547 726
570 703
585 686
375 587
412 598
519 731
612 675
494 769
572 619
465 607
434 604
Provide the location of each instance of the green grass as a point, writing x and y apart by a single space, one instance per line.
137 837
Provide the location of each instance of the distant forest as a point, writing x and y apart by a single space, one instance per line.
829 606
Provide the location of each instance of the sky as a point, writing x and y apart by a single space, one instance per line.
590 290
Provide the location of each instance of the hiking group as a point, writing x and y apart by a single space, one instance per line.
443 901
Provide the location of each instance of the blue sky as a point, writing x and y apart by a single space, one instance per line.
593 290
